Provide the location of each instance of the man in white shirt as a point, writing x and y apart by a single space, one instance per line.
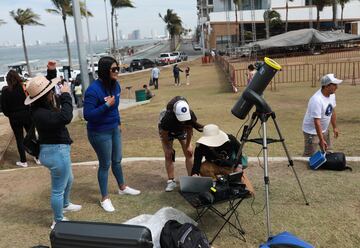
319 114
155 72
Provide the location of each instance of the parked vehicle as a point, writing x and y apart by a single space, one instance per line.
166 59
180 56
197 47
140 64
183 56
2 84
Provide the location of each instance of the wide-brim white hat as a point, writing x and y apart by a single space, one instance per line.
213 136
39 86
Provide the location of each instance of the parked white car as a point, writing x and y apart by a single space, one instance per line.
166 59
2 81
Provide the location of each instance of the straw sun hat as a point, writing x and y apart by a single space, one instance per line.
213 136
39 86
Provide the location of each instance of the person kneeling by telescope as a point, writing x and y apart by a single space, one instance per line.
219 150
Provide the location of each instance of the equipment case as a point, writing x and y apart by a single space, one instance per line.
79 234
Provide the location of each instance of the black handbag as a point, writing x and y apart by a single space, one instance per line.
31 143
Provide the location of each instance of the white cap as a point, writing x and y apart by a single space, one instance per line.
182 111
329 79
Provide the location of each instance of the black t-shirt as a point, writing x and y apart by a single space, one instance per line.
171 124
224 155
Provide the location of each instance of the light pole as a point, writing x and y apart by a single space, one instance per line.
202 28
80 44
89 40
107 27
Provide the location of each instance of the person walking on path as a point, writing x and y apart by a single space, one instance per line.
13 107
155 72
78 95
187 74
54 139
177 122
176 72
101 104
319 114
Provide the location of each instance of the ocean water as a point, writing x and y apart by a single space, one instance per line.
58 52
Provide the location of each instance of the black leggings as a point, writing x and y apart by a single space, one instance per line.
18 125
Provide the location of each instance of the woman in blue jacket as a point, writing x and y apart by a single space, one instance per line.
101 104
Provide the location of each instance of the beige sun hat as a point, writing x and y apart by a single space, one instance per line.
39 86
213 136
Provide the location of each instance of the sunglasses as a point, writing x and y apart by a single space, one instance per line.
115 69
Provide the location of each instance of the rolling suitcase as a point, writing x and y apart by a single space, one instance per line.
79 234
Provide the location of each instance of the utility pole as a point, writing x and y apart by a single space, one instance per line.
80 45
89 40
310 14
107 26
202 28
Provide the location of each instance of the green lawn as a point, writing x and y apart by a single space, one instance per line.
331 220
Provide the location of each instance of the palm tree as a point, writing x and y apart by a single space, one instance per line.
287 14
238 7
25 18
334 13
320 4
117 4
274 21
64 9
173 25
342 4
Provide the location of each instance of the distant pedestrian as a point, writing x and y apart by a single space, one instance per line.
148 92
251 72
101 111
155 72
187 74
78 95
176 72
12 102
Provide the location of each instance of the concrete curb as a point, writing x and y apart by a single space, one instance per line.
181 159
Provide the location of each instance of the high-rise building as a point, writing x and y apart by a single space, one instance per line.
136 34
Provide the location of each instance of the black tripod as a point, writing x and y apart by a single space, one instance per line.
263 115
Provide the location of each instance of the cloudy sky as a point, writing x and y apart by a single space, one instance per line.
144 17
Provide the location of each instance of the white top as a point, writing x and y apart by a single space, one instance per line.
78 90
155 72
320 107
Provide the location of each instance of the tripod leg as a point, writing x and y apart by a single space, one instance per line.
291 162
266 178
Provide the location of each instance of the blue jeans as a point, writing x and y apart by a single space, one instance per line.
108 148
56 157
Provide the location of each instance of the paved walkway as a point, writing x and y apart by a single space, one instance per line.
6 133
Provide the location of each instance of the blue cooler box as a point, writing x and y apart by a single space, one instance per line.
316 160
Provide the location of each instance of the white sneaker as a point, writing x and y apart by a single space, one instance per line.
72 208
37 161
54 223
129 191
171 185
21 164
107 205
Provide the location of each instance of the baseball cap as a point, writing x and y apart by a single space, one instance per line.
182 111
329 79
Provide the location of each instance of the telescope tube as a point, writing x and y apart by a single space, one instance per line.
258 84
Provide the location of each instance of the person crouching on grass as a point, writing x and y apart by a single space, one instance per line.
177 122
101 104
54 139
219 150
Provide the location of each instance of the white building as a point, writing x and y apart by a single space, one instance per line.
220 25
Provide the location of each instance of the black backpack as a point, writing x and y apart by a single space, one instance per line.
335 161
176 235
